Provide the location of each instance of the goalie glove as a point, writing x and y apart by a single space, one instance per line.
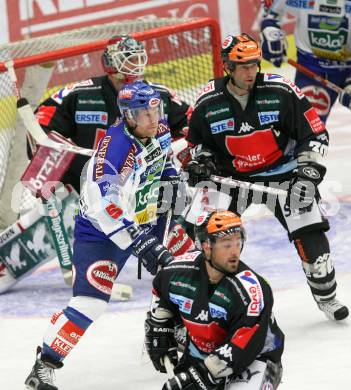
160 341
273 42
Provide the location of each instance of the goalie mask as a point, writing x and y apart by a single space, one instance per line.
137 98
125 57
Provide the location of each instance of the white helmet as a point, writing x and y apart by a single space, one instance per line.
126 56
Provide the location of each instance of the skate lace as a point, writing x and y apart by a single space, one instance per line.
46 374
331 306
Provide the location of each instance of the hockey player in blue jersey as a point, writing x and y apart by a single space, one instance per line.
117 217
323 41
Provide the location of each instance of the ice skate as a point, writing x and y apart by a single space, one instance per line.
42 374
334 309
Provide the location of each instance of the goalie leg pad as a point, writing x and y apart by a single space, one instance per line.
313 249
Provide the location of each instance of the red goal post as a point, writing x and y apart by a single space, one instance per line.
183 55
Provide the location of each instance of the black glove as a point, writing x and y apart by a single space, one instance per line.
160 341
196 377
151 253
201 167
303 186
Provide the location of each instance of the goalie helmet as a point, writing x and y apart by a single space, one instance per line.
138 96
241 49
216 224
125 56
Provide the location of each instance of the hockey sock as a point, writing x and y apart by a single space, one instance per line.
68 326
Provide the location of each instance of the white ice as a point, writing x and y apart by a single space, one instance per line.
317 352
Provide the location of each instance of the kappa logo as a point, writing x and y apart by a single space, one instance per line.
226 352
245 128
203 316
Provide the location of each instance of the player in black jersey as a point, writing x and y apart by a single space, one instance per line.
232 336
260 127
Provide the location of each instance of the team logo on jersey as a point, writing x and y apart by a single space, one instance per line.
268 117
221 126
245 128
185 304
314 120
275 78
93 117
305 4
217 311
207 89
216 112
203 316
253 288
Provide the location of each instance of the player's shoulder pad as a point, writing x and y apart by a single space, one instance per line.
59 95
254 286
281 83
117 150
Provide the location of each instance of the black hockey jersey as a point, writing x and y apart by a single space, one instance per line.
277 124
232 319
85 110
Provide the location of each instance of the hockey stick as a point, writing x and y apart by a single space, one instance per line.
34 129
166 360
246 185
315 76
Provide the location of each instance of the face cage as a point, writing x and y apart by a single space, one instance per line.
134 113
121 61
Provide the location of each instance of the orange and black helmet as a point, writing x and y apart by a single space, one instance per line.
241 49
218 223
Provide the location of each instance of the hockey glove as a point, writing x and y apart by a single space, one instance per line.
160 341
151 253
273 42
201 167
196 377
345 96
303 186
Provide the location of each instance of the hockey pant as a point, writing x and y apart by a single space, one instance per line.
259 375
305 230
321 97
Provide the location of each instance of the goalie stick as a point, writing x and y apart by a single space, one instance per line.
32 126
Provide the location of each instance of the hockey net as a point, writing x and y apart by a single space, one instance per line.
183 55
